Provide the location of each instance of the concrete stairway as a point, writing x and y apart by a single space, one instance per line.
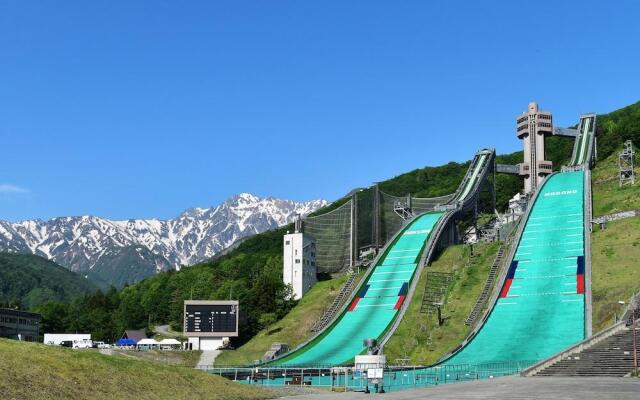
612 356
342 296
482 298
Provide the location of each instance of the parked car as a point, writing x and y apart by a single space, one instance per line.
82 344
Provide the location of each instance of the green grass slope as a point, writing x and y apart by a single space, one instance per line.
28 281
418 337
615 251
608 196
293 329
615 273
34 371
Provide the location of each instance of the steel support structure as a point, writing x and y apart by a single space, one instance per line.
625 164
353 253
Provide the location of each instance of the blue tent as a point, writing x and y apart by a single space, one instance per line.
126 342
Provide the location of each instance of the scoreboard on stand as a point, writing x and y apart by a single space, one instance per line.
211 318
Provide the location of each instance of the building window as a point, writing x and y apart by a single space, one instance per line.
297 261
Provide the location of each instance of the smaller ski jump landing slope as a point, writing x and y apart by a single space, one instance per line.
375 306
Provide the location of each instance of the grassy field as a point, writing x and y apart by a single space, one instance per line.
615 252
181 358
608 196
419 338
35 371
293 329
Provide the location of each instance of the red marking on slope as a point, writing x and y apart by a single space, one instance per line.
580 284
354 304
399 302
505 288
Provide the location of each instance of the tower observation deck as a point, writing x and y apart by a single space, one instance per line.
532 126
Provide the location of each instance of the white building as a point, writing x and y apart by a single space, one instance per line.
55 339
517 207
207 343
299 263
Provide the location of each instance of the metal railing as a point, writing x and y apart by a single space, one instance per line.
352 379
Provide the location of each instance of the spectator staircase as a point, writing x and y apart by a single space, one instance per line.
610 357
340 299
486 289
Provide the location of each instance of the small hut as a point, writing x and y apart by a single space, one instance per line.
147 344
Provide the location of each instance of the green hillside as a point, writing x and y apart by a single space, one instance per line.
35 371
119 266
251 273
28 281
616 127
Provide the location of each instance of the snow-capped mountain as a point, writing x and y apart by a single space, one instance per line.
121 251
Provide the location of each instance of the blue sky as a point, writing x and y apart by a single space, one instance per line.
142 109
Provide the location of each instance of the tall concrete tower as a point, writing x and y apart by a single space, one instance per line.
299 263
532 126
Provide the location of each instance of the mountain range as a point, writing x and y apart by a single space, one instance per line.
116 252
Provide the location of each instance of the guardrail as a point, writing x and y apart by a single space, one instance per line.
352 379
615 216
588 303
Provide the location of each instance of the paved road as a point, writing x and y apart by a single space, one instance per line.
166 330
207 358
509 388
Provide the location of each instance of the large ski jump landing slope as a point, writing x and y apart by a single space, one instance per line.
541 306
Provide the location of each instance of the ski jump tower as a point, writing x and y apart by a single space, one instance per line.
532 126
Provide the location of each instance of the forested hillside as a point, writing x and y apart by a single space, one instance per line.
27 281
252 271
616 127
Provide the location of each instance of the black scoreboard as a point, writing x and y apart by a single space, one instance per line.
211 318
